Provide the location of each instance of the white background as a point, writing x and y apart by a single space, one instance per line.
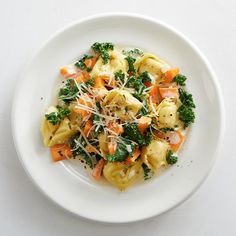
25 25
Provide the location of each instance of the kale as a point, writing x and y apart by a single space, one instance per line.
186 113
144 110
90 82
133 52
69 91
167 129
131 62
102 49
186 98
131 131
147 172
180 79
78 151
80 63
96 121
170 158
145 77
57 116
119 75
137 84
121 152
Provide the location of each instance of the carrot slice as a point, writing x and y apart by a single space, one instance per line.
159 134
60 152
170 74
99 82
169 92
112 146
155 94
82 77
90 62
82 112
87 127
97 171
175 139
143 123
68 71
115 127
130 159
147 83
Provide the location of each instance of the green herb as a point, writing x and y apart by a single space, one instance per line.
90 82
131 62
166 129
180 79
78 151
147 172
97 121
144 109
133 52
121 152
57 116
170 158
132 132
119 75
186 98
69 91
80 63
145 77
186 113
102 49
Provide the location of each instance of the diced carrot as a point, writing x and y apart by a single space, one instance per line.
68 71
171 92
112 146
155 94
115 127
90 149
147 83
87 127
175 139
109 81
82 112
170 74
97 171
130 159
60 152
143 123
82 77
90 62
99 82
159 134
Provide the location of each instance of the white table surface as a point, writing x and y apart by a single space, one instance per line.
25 25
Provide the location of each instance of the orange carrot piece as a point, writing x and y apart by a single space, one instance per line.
90 62
90 149
97 171
115 127
87 127
112 146
82 112
68 71
169 92
99 82
170 74
155 94
175 139
143 123
147 83
60 152
159 134
130 159
82 77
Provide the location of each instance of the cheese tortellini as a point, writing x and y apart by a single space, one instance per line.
154 155
122 175
122 103
116 63
151 64
166 114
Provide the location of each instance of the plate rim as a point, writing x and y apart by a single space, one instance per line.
151 20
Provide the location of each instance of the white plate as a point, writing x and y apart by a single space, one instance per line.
70 186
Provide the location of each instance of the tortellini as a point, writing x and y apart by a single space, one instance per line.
115 64
102 139
151 64
57 134
122 103
122 175
154 155
166 114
